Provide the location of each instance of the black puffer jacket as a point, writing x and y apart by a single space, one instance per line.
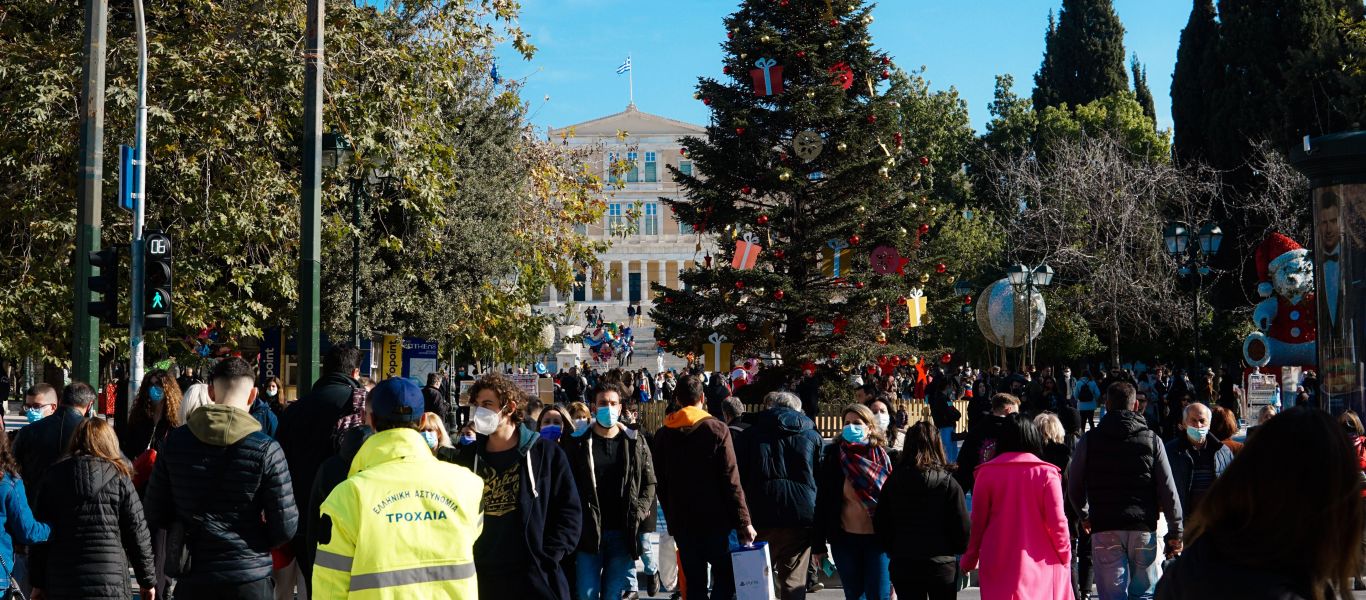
228 484
921 516
777 456
40 445
97 525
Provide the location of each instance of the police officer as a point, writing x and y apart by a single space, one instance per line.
403 525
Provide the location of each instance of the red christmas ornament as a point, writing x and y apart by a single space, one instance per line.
924 161
730 35
901 301
896 137
784 3
778 294
762 220
872 370
941 268
739 131
746 190
924 228
886 60
834 356
946 358
858 285
801 54
834 22
886 74
741 327
779 254
706 101
740 284
967 300
810 320
726 69
854 240
872 118
668 300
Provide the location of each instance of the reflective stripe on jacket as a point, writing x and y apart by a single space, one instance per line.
402 526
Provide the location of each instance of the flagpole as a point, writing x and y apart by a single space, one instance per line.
631 77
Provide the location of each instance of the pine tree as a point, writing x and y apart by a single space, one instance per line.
1083 56
1195 74
821 156
1141 91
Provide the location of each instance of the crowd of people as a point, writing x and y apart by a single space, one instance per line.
222 490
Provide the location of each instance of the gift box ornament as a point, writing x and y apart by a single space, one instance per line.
747 251
835 258
916 305
716 353
768 78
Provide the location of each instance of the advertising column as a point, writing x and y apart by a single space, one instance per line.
1336 167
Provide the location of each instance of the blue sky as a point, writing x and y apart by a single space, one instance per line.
963 44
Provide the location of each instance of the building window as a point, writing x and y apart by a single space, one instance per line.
633 175
615 221
685 167
650 218
612 176
684 228
650 175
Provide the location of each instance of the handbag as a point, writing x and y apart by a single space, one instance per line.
13 593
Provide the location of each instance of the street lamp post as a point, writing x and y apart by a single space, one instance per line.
337 153
1026 280
1192 260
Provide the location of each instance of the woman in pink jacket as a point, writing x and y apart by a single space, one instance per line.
1019 533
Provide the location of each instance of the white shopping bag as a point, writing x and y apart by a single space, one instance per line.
753 573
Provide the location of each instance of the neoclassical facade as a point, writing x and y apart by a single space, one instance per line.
658 248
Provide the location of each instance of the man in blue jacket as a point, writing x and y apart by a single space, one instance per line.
777 456
1197 457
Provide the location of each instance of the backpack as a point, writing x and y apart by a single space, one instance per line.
1087 393
987 451
355 417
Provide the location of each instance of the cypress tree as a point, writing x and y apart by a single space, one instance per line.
1141 91
1084 56
1197 71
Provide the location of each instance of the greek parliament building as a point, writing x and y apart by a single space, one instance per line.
659 248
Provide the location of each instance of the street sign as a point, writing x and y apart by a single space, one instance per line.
127 177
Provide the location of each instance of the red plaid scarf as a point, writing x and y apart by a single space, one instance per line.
866 467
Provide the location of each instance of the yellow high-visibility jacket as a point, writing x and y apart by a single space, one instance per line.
403 525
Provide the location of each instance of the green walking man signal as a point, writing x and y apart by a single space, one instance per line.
156 300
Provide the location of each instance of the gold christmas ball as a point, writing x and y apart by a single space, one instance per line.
868 19
891 162
896 104
764 38
860 208
902 230
697 95
924 278
882 337
841 146
905 331
934 210
885 173
913 360
744 56
784 176
872 302
950 279
829 45
810 94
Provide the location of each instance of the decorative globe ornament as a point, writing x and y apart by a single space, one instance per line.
1003 318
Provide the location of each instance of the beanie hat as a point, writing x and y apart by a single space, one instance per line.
1274 253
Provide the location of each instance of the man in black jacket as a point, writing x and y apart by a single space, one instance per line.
616 480
228 486
777 456
432 398
306 434
42 443
980 444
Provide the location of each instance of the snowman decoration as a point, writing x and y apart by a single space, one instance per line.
1286 319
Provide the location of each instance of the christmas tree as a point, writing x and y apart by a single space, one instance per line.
818 195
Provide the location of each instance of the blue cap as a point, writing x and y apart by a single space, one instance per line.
396 399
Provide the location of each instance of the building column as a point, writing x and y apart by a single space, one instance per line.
588 285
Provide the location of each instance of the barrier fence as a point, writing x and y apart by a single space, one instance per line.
829 422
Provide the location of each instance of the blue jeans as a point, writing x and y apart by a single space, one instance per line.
1125 564
950 446
862 565
603 576
647 559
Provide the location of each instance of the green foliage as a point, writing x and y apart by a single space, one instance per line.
1083 55
865 184
1119 115
1141 91
407 85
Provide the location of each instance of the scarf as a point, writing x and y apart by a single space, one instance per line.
866 467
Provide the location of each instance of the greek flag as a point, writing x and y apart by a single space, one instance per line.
625 66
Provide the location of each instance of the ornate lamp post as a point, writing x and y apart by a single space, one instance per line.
338 154
1026 281
1193 261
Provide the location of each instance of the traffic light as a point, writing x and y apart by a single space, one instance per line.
157 313
105 284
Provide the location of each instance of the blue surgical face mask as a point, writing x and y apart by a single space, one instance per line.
580 427
607 415
855 434
33 414
1197 434
156 394
430 436
551 432
466 440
